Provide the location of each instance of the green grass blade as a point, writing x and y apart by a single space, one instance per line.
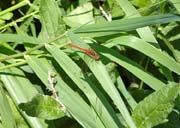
98 101
21 90
148 50
80 16
145 32
7 118
103 77
120 85
132 67
176 4
118 26
50 18
75 105
18 38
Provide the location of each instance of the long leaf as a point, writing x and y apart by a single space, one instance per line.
145 32
147 49
97 100
123 25
21 90
7 117
68 97
18 38
132 67
101 74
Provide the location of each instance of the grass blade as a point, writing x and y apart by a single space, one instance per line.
131 66
7 118
68 97
21 90
118 26
145 32
103 77
19 38
148 50
83 82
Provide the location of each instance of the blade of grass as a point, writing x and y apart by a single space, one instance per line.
117 26
19 5
103 77
74 103
50 19
147 49
97 100
7 118
19 38
120 85
176 4
131 66
21 90
145 32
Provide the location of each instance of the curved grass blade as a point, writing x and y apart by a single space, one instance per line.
145 32
147 49
103 77
176 4
74 103
19 38
99 103
131 66
21 90
120 85
7 118
117 26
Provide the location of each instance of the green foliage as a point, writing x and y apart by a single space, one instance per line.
6 112
123 71
51 108
155 108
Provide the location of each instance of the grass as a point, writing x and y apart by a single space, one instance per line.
133 83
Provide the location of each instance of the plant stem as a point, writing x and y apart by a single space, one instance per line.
32 49
19 5
18 20
13 65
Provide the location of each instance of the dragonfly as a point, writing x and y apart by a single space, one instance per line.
90 52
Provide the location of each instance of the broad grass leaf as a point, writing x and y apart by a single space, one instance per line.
145 32
155 108
100 72
74 104
148 50
80 16
99 103
18 38
43 106
50 19
131 66
117 26
176 5
21 90
7 118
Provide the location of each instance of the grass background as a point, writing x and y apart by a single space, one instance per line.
45 83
